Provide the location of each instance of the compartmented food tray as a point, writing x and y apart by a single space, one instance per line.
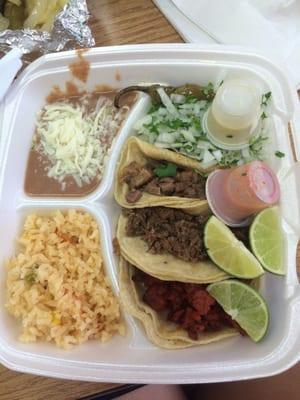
133 358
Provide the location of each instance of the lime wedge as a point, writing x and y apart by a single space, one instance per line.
267 240
244 304
228 252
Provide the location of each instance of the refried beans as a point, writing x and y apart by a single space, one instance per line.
44 174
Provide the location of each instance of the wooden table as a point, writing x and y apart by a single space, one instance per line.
115 22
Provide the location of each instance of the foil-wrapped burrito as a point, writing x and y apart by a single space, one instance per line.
42 26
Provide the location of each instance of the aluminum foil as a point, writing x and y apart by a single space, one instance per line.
70 30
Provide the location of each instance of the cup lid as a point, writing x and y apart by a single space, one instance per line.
236 104
234 114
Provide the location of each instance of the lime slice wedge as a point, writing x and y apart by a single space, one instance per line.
228 252
267 240
244 304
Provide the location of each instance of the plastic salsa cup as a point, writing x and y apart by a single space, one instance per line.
233 116
235 194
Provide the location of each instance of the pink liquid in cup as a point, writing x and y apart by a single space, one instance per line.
237 193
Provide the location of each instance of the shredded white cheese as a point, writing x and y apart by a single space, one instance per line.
77 142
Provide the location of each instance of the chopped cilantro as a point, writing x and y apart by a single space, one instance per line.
263 115
188 147
256 140
165 170
208 90
154 108
279 154
197 123
190 99
183 132
152 127
265 98
256 146
230 158
177 124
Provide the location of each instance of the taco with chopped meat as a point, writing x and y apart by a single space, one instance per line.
167 243
149 176
174 314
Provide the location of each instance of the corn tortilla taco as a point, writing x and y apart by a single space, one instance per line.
160 330
149 176
167 243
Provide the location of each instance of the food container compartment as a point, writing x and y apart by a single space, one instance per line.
133 358
17 224
38 92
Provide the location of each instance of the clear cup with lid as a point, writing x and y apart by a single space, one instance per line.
234 114
235 194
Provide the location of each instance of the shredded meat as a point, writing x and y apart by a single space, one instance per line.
186 182
188 305
169 230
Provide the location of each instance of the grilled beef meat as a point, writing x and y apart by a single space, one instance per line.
184 183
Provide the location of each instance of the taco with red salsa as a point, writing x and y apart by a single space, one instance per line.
173 314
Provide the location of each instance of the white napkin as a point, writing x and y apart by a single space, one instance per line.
271 27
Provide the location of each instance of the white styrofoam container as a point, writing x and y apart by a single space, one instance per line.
133 358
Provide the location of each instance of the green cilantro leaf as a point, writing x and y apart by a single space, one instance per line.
208 90
190 99
165 170
265 98
279 154
263 115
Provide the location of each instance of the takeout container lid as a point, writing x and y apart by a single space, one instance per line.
133 359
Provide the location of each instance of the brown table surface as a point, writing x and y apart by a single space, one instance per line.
118 22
